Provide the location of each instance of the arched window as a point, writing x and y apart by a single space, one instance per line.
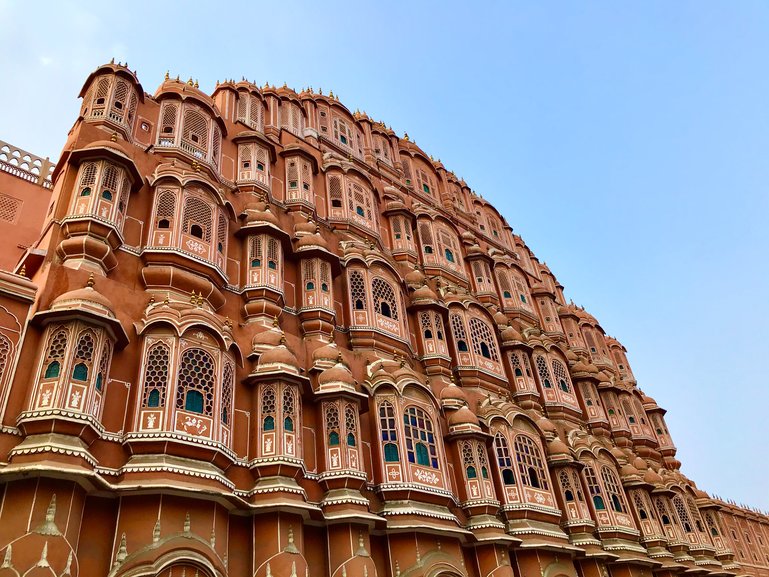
268 407
195 382
289 409
350 424
614 489
683 514
385 302
332 424
484 342
389 432
544 373
504 460
561 376
458 330
83 356
595 489
228 383
420 439
197 218
195 131
530 464
357 290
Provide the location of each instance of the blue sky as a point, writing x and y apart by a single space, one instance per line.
627 142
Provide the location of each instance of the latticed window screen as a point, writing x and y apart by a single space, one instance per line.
291 117
196 382
273 254
629 412
594 487
695 514
350 425
120 99
268 408
406 165
102 92
421 446
335 190
228 383
83 355
712 524
255 250
567 487
216 145
359 201
483 459
57 346
101 374
166 207
458 330
613 489
561 376
484 343
195 128
523 293
197 212
663 511
530 464
168 120
87 178
426 235
5 354
289 409
357 290
156 376
504 459
683 513
221 234
641 507
388 431
468 460
385 301
544 373
333 432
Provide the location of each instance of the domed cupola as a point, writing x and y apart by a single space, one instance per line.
99 197
190 127
111 95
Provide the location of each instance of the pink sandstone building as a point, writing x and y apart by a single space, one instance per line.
255 334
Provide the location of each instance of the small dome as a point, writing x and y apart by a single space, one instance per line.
424 293
85 297
462 416
580 367
337 376
469 237
260 212
510 333
278 356
312 240
571 356
453 396
556 447
547 426
640 464
618 453
500 318
305 227
474 250
651 477
268 338
327 352
628 470
415 277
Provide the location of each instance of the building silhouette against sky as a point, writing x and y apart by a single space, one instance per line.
255 333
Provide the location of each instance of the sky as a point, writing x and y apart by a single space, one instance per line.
627 142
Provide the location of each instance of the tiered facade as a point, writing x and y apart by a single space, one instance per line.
257 334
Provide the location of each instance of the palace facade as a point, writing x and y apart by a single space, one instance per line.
254 333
